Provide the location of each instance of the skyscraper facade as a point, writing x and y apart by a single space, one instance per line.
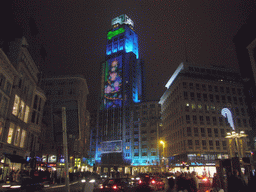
122 86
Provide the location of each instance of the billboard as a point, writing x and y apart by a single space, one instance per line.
113 83
111 146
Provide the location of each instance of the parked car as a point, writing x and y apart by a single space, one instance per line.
155 182
116 185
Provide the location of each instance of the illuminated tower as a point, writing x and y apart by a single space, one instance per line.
121 87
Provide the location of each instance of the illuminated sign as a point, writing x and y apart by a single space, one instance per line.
111 146
115 33
122 19
113 83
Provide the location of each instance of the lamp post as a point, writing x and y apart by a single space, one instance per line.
158 133
233 135
163 154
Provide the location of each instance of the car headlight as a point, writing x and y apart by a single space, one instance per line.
6 186
15 186
47 185
92 181
83 180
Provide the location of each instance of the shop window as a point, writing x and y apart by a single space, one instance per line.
26 114
21 110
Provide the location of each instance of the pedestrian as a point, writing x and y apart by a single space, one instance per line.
171 183
144 187
235 182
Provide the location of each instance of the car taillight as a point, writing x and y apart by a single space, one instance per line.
140 181
114 187
101 187
153 181
205 179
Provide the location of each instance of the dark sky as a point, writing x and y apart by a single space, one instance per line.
73 34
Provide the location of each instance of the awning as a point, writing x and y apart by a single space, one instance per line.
15 158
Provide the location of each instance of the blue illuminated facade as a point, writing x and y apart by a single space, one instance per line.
122 88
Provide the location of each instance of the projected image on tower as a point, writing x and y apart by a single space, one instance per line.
113 83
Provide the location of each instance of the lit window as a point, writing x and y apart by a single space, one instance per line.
16 105
127 147
21 110
10 133
17 137
22 139
26 114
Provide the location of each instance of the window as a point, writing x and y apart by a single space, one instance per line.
144 154
245 123
222 132
201 120
224 145
208 120
211 144
17 137
192 95
222 89
195 131
185 95
21 112
127 147
136 132
193 106
227 90
188 118
237 111
144 147
194 119
198 96
241 100
209 87
187 107
216 89
211 97
4 106
136 154
191 85
15 108
233 91
2 80
184 85
152 105
8 88
10 133
197 86
204 87
217 145
144 139
229 99
223 98
136 147
214 120
235 100
189 131
217 98
204 144
190 144
205 96
221 120
239 91
197 144
216 132
209 131
153 153
202 132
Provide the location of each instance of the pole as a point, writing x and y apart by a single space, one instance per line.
65 148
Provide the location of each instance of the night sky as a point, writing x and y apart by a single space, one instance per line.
71 34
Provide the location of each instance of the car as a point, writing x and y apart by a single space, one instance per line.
25 184
155 182
116 185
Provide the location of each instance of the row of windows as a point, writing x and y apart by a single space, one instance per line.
217 132
146 106
216 89
51 83
213 98
212 71
213 120
145 154
204 143
193 107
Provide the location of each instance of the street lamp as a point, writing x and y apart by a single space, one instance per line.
163 156
233 135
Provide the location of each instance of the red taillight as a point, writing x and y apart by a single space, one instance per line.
140 181
114 187
153 181
101 187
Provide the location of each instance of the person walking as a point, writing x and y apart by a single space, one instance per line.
171 183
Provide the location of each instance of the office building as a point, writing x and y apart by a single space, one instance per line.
70 92
200 106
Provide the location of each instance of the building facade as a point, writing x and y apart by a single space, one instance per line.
69 92
122 86
23 104
200 106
